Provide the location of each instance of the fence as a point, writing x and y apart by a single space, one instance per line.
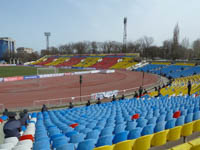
65 101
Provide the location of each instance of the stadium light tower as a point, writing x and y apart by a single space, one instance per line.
125 35
47 34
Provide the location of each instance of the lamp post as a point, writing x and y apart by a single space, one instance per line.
80 85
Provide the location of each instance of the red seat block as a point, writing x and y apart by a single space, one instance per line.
74 125
26 137
136 116
1 120
177 114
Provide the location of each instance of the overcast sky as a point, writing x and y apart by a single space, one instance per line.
96 20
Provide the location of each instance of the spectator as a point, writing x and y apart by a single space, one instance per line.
145 92
189 86
123 97
155 88
98 101
140 91
12 127
44 108
24 117
113 98
5 113
88 103
136 95
71 105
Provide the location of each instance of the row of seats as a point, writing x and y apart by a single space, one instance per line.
191 145
111 123
169 63
26 140
158 139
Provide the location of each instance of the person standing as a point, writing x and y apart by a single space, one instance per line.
189 86
24 117
140 91
71 105
44 108
5 113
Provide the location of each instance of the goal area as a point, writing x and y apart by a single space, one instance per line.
42 71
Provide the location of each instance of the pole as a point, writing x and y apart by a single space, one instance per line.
142 78
80 86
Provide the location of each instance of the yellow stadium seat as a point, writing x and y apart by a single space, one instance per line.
187 129
185 146
143 143
195 142
159 138
107 147
125 145
174 133
196 126
197 147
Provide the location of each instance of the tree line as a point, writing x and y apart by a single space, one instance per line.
171 49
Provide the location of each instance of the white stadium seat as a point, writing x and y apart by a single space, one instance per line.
13 140
7 146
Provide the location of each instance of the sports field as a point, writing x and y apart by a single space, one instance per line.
10 71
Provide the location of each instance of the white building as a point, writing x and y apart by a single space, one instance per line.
25 50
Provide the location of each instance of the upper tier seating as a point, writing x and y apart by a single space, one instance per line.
106 63
39 60
46 61
71 62
58 60
125 63
87 62
173 71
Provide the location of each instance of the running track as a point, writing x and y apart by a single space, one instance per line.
23 93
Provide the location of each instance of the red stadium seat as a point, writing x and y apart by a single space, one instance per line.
26 137
136 116
1 120
74 125
177 114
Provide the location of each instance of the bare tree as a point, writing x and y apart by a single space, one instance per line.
175 45
196 48
185 43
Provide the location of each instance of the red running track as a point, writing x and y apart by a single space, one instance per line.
23 93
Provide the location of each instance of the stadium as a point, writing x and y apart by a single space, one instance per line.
159 118
99 75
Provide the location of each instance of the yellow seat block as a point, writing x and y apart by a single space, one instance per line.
197 147
174 133
125 145
107 147
187 129
185 146
143 143
195 142
159 138
196 126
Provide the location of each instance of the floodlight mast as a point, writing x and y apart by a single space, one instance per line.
47 34
125 35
